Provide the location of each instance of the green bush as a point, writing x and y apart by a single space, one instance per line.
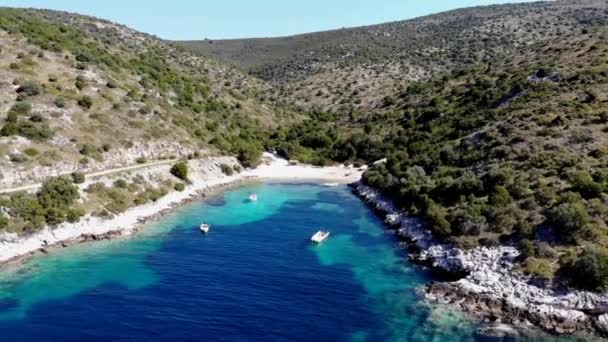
3 221
227 170
28 209
179 187
500 197
78 177
21 108
29 88
436 217
73 215
88 150
249 155
568 219
34 131
85 102
31 151
527 249
57 192
54 216
539 268
121 184
585 185
81 82
590 271
180 170
9 129
60 102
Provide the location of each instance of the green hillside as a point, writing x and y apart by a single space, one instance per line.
512 151
72 85
354 69
79 95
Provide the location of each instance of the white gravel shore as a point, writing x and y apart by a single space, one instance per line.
490 278
204 174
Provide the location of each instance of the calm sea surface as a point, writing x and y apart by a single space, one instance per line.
254 277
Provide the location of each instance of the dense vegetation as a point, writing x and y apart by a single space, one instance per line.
506 152
98 84
51 205
353 69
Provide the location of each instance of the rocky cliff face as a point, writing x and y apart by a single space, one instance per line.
490 288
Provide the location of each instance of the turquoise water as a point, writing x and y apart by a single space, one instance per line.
255 276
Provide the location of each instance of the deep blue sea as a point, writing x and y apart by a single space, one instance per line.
254 277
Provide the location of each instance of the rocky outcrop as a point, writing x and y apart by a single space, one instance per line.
489 288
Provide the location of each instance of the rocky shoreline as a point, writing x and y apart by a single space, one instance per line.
508 303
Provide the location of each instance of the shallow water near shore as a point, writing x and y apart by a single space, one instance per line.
255 276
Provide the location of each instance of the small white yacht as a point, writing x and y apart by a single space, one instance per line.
253 197
319 236
205 228
331 185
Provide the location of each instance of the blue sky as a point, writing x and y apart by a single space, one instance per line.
218 19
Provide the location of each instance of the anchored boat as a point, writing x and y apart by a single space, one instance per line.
253 197
205 228
319 236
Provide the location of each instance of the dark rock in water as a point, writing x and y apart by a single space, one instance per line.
495 309
497 331
216 201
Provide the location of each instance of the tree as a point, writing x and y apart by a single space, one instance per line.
180 170
568 219
27 208
249 155
500 197
590 271
78 177
57 192
436 215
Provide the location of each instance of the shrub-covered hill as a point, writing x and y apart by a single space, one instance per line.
512 151
355 68
79 92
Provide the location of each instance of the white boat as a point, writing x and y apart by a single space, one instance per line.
205 228
319 236
331 185
253 197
